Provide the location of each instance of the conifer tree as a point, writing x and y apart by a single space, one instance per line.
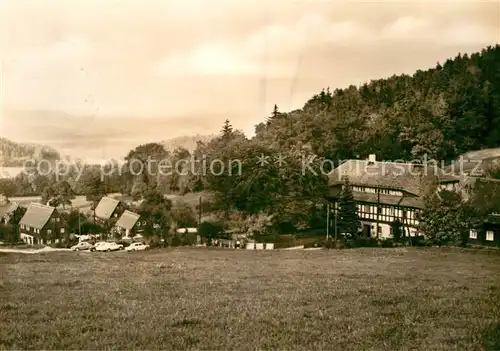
347 216
274 114
227 128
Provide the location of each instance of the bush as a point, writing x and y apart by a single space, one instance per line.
267 238
155 243
211 229
418 241
189 239
184 216
329 244
387 243
365 242
176 241
347 244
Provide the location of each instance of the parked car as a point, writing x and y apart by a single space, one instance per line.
137 247
81 246
98 244
104 246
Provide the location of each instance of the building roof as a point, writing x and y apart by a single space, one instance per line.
37 215
8 208
390 175
393 200
106 207
127 220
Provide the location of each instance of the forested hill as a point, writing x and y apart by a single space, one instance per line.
442 112
14 154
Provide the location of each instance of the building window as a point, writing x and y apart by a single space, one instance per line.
57 219
49 231
62 230
489 235
473 234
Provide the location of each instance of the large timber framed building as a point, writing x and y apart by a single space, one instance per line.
387 192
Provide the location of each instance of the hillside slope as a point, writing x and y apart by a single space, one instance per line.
438 113
14 154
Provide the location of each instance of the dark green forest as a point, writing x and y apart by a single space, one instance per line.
442 112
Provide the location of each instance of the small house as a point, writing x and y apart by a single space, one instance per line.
489 233
41 224
128 223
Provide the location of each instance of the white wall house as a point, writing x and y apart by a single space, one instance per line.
386 192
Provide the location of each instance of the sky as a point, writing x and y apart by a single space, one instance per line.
97 77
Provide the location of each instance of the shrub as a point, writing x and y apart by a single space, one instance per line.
267 237
419 241
365 242
189 239
387 243
155 243
176 241
211 229
329 244
183 215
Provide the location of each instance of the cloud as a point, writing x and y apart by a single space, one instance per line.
220 60
405 27
272 51
311 30
471 33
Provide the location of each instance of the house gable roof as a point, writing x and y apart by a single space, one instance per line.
407 177
106 207
127 220
37 215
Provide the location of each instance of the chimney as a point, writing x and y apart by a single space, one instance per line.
372 158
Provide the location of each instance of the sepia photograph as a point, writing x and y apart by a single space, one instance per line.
250 175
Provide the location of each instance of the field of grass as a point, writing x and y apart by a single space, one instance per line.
215 299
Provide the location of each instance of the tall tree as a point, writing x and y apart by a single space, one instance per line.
155 210
92 185
274 115
446 218
144 163
227 128
58 194
8 187
347 216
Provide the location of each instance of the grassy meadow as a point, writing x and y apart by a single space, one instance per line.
214 299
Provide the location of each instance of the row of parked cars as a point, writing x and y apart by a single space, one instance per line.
108 246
